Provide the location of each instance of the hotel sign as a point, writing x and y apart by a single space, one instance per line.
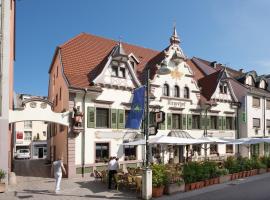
177 104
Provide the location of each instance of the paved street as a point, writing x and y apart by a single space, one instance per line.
33 187
252 188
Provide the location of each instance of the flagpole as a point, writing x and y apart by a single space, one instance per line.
147 172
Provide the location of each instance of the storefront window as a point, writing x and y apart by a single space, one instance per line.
130 152
102 152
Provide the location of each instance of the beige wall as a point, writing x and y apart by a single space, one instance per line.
57 81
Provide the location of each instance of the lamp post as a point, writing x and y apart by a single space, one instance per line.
147 172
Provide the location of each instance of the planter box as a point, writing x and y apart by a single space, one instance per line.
187 187
157 192
206 182
268 169
262 171
2 187
174 187
225 178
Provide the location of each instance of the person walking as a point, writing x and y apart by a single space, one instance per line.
112 168
57 168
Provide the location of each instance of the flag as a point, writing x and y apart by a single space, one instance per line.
137 109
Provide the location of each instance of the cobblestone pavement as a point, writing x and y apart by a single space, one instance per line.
77 188
33 183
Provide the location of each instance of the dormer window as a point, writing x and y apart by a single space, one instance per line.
223 89
262 84
249 81
118 71
115 71
166 90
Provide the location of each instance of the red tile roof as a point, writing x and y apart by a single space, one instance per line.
84 56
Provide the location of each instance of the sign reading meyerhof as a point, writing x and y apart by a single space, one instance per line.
177 104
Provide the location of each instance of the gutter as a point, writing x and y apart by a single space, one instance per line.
83 133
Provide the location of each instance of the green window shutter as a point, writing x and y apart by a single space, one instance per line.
208 122
220 122
162 125
189 121
233 123
169 120
121 119
202 122
184 122
113 118
224 123
91 117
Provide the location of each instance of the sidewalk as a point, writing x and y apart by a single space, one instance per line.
213 188
73 189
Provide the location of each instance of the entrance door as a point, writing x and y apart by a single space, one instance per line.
40 152
181 154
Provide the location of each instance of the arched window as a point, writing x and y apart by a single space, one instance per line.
186 92
176 91
166 90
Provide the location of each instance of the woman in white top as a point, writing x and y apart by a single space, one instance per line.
56 169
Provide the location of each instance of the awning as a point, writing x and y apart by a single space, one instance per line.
180 134
174 140
213 140
247 141
135 143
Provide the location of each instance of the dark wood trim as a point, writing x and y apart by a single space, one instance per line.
228 112
187 75
103 102
214 111
175 108
194 91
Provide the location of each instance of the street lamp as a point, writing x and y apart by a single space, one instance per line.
147 172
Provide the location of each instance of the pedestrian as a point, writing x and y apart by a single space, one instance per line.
57 168
112 168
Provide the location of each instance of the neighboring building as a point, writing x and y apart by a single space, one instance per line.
30 135
96 76
254 114
7 52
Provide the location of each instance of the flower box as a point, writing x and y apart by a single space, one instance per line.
2 187
225 178
262 170
174 187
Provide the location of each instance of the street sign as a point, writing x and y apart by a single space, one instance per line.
152 130
160 117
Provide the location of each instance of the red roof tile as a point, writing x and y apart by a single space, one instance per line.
84 56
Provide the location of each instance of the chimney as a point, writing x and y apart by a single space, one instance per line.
214 64
241 70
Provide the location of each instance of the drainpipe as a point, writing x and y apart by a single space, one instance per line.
237 127
83 132
264 123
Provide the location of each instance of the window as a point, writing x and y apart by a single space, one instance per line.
132 64
28 135
255 149
262 84
56 99
196 122
256 123
102 152
268 104
197 148
130 152
176 121
214 121
176 91
44 134
229 123
118 71
229 148
220 89
152 118
249 80
27 124
60 94
223 89
256 102
213 149
186 93
166 90
115 71
102 118
268 123
122 72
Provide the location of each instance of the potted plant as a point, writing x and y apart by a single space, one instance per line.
190 175
224 175
159 180
2 184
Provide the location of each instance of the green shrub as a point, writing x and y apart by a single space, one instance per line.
190 172
266 161
159 177
232 165
222 172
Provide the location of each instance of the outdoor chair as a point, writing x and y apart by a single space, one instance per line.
98 175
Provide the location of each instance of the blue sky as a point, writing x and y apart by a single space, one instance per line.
233 32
